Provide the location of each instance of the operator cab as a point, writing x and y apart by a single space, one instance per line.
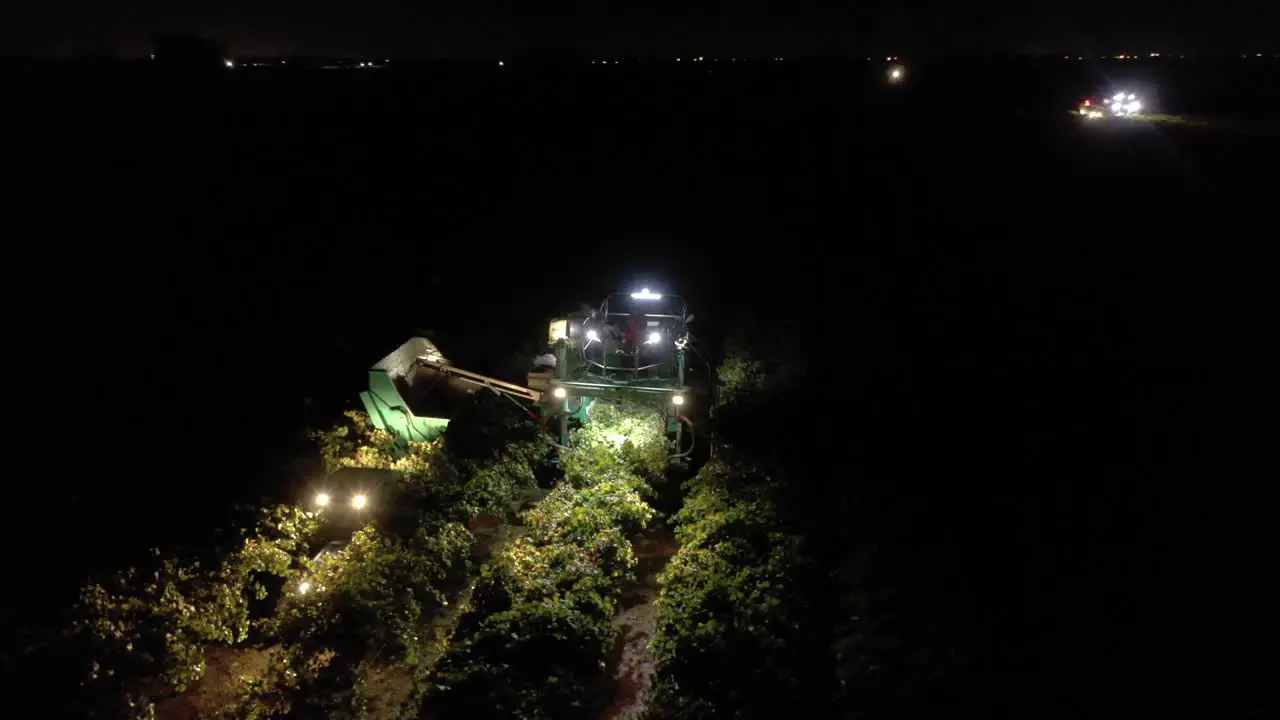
635 337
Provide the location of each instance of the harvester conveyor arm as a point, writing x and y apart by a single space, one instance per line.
484 381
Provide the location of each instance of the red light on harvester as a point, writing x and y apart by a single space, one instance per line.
1087 103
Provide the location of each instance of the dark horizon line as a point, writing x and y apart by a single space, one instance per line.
547 58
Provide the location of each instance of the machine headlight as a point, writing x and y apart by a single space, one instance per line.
359 501
559 393
593 336
304 587
1133 106
322 499
655 338
677 399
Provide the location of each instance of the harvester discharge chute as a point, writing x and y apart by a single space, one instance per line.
414 391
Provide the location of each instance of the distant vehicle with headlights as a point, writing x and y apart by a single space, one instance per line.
347 496
1116 105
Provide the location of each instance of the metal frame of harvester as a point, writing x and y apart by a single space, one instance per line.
632 348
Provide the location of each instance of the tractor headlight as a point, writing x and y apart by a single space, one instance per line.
677 399
322 499
559 393
655 338
359 501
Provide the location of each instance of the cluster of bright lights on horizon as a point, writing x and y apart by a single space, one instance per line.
1120 105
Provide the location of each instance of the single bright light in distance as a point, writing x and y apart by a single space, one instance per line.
304 587
229 63
655 337
559 393
501 63
644 294
677 399
593 336
359 501
322 499
895 74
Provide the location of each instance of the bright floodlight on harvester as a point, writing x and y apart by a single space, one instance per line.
322 499
560 393
593 336
644 294
655 338
359 501
677 399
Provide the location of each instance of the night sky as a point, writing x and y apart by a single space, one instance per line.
603 27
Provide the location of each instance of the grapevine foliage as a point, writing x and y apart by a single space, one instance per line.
329 625
539 629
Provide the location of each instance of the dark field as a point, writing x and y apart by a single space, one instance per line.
1041 346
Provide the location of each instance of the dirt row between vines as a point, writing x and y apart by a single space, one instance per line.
631 662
